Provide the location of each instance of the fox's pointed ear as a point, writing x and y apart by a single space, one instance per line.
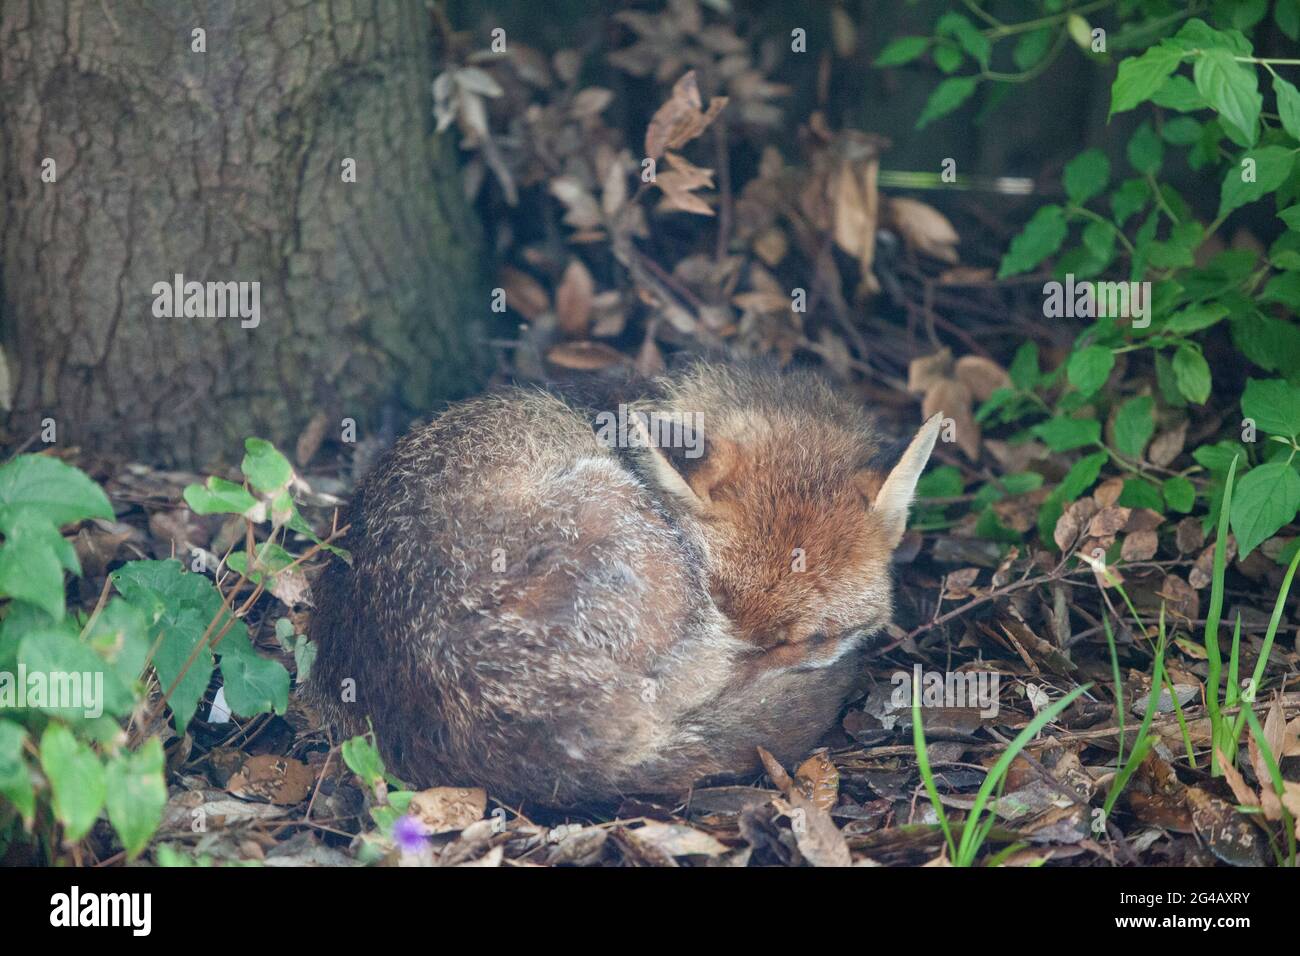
894 496
691 480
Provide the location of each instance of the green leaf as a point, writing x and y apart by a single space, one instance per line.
1129 198
902 50
31 568
45 486
1066 434
78 685
1024 373
180 605
1042 237
1138 493
1145 150
1291 215
1179 93
1081 476
947 96
1231 88
1192 374
1283 288
222 497
1180 494
266 469
1288 105
76 780
1258 173
1263 502
363 759
15 778
1196 317
960 28
1090 367
136 794
1140 77
942 482
1031 48
120 635
1086 176
1134 425
254 684
1274 406
1286 13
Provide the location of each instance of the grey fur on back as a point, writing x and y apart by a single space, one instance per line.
526 611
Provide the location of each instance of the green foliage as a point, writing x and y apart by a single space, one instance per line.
1204 98
64 759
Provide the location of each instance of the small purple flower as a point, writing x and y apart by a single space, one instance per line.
409 834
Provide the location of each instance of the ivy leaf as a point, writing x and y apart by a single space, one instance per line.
220 496
1090 367
181 606
1192 374
76 780
15 778
1258 173
1273 405
947 96
53 652
1134 425
1263 502
266 469
32 562
1066 434
1231 89
902 50
254 684
45 486
136 794
1086 176
1042 237
1140 77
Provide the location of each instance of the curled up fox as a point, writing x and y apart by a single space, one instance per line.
531 610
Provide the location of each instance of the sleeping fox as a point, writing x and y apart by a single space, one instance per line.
562 618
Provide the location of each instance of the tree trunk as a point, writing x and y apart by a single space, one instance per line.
226 166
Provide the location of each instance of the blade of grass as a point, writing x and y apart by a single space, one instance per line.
1215 661
1260 665
1119 687
968 846
927 775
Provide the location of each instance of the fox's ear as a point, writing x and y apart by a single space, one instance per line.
692 480
891 498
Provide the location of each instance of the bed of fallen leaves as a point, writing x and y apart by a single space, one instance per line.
805 258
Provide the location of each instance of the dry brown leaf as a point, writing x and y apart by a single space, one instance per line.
271 779
954 399
780 778
924 229
1108 492
573 299
1139 546
1237 783
982 376
587 103
445 809
924 371
585 356
815 833
1167 446
819 780
680 120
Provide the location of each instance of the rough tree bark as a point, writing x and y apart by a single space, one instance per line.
226 165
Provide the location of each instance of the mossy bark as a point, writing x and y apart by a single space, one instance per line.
227 165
